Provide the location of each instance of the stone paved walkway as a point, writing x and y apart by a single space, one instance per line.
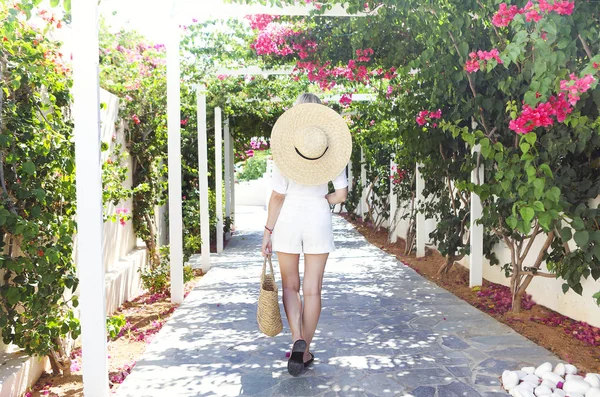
384 331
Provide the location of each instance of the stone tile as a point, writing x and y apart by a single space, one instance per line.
423 391
454 343
496 366
423 377
488 381
460 372
384 331
457 389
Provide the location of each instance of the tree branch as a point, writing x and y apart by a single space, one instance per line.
533 274
585 47
535 233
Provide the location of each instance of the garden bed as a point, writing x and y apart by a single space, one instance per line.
145 316
574 342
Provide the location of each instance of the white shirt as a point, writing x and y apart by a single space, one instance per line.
283 185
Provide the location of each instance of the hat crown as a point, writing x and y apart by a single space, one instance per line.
311 141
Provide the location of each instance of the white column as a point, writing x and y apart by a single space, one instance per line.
219 177
421 232
476 232
232 181
350 179
393 206
174 164
86 114
228 172
203 178
363 178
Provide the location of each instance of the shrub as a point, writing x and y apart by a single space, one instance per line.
254 169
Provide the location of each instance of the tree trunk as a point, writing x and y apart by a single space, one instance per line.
151 243
514 288
445 268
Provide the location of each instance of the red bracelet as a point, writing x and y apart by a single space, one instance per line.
270 230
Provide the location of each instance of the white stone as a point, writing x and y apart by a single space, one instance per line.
510 380
570 369
527 386
545 367
523 392
550 384
560 369
533 379
576 386
575 395
559 393
543 390
573 377
522 374
529 370
551 376
593 392
593 379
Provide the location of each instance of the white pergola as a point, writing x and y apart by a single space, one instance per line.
86 114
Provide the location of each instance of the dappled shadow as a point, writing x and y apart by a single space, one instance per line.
384 330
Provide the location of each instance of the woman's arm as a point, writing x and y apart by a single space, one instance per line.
337 197
275 204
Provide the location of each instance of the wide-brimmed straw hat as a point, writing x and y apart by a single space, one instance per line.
311 144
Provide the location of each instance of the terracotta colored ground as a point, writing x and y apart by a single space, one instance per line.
584 356
146 314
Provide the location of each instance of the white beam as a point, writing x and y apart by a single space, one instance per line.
421 232
86 114
218 9
363 179
228 165
174 163
219 177
203 178
476 233
232 181
253 71
393 234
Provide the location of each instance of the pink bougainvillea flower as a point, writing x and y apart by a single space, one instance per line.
184 122
436 115
136 119
128 98
505 15
346 99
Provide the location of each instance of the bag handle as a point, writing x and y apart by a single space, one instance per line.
264 268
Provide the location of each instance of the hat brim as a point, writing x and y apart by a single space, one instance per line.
305 171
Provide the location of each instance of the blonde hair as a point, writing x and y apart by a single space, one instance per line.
307 97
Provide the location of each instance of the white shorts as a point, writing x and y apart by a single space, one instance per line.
304 226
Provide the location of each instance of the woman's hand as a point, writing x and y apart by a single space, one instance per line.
266 244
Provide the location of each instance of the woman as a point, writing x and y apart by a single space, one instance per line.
311 146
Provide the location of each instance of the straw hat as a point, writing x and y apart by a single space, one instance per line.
311 144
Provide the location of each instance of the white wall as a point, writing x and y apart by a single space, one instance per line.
545 291
123 256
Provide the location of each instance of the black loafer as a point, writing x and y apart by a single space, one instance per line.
309 362
296 362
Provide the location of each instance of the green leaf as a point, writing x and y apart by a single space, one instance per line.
577 223
54 3
553 194
29 167
565 288
545 168
566 234
538 206
531 138
527 213
525 147
545 220
512 222
597 251
463 49
581 238
597 297
67 4
13 295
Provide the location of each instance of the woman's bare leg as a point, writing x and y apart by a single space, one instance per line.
290 279
314 267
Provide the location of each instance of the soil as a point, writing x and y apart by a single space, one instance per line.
559 336
145 315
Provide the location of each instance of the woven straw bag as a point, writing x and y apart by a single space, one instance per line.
268 314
